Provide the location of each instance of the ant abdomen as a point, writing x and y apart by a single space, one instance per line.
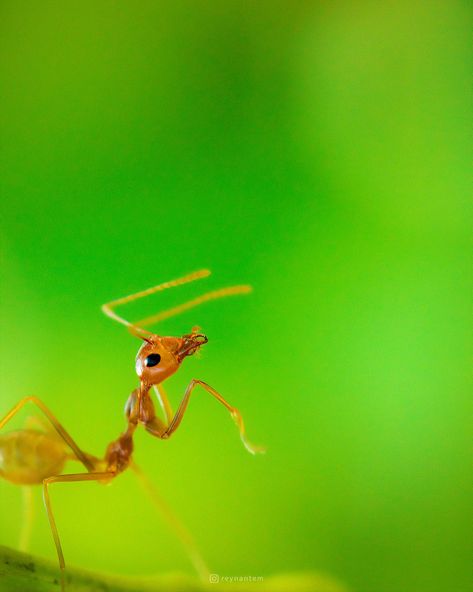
29 456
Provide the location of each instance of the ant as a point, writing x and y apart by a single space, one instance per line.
31 456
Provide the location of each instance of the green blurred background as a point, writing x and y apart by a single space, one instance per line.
319 151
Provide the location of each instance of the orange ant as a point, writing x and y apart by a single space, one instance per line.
30 456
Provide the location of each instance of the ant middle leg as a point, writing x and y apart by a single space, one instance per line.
87 460
174 523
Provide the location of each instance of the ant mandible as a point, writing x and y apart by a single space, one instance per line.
30 456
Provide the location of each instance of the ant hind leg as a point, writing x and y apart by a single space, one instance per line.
28 515
47 502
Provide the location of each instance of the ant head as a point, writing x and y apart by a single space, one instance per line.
159 357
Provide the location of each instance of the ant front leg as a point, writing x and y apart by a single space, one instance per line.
164 402
236 415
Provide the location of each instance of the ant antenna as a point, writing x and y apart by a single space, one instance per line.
134 329
214 295
137 328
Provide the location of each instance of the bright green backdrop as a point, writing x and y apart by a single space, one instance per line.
319 151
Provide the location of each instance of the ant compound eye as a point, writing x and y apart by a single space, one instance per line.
152 360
